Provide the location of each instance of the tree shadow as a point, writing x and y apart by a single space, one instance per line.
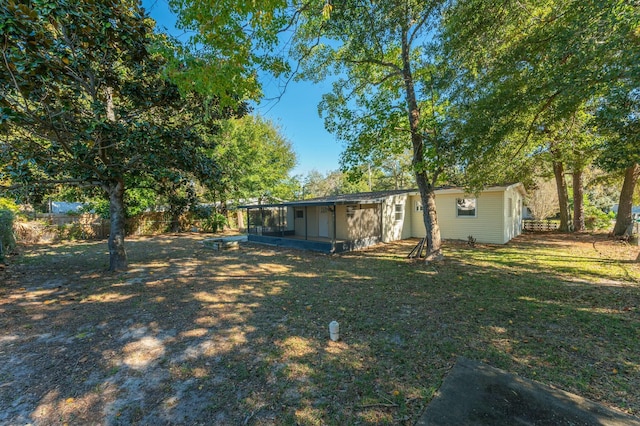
191 335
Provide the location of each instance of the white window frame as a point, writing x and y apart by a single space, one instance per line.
465 200
419 207
398 211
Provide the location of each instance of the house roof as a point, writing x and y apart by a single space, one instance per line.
358 198
375 197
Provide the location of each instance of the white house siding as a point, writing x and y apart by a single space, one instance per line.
492 223
396 230
512 213
487 226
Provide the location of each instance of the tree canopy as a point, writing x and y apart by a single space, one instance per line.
85 100
254 158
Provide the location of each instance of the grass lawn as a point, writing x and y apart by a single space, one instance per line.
194 336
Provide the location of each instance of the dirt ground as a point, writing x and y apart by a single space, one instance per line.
186 336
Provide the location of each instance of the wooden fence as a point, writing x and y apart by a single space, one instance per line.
59 227
540 225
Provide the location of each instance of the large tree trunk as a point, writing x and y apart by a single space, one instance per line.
578 205
430 217
624 218
426 188
563 196
117 253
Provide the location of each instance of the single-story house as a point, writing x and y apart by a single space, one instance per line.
353 221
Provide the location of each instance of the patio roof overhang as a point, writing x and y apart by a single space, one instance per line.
346 199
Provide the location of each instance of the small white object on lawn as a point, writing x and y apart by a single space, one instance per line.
334 330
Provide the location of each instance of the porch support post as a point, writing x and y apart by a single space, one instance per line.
248 220
261 220
333 241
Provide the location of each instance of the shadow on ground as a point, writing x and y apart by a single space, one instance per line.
194 336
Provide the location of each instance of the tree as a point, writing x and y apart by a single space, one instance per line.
618 117
234 40
388 90
254 160
85 99
527 65
543 199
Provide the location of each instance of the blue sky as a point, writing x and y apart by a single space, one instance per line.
296 113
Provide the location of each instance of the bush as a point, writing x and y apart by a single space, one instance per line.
214 223
7 238
596 219
7 204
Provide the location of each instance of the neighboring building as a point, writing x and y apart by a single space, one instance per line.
353 221
635 211
63 207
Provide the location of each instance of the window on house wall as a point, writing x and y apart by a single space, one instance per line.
418 206
299 214
399 210
466 207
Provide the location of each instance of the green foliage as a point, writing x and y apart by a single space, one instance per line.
529 67
214 223
7 204
618 118
85 100
254 158
210 219
239 36
7 238
595 219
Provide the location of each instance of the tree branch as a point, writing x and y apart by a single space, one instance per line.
75 182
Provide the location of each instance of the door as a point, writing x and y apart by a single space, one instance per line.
323 222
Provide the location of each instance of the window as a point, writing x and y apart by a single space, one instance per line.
466 207
299 214
399 209
418 206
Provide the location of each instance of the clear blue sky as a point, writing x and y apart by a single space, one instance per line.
296 113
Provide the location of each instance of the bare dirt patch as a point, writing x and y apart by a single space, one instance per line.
194 336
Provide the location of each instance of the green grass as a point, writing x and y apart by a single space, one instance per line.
254 322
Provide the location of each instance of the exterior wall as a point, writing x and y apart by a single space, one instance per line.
418 229
290 218
392 229
486 227
362 221
300 221
513 213
311 217
494 223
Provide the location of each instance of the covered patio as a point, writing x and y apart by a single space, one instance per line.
332 224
